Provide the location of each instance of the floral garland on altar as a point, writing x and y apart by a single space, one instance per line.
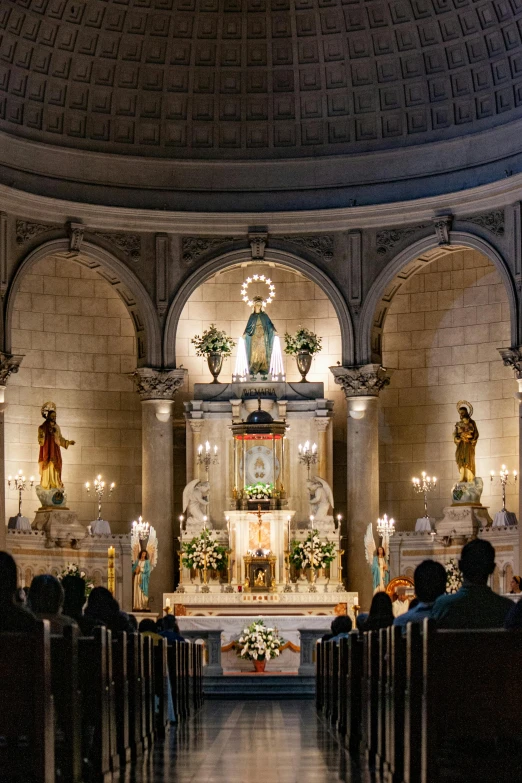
259 491
194 553
259 643
453 576
301 552
73 569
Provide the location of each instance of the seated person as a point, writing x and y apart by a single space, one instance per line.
14 617
74 601
171 630
400 604
516 583
45 599
341 627
380 614
147 627
430 583
475 605
103 609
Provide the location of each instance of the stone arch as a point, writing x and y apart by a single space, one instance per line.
114 271
403 266
282 257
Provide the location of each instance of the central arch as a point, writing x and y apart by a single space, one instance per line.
240 256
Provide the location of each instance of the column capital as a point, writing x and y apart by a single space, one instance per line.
157 384
512 357
322 423
364 381
9 364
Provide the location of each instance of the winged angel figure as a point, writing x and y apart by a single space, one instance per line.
377 560
144 560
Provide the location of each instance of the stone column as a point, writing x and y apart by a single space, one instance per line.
512 357
361 386
157 389
8 364
325 464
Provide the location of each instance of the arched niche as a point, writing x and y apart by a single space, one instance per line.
111 269
407 263
234 258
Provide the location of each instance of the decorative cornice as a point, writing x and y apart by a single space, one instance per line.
130 244
364 381
442 225
321 244
194 247
387 239
156 384
491 221
9 364
26 231
512 357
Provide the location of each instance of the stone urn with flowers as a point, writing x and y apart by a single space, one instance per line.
303 345
259 644
215 345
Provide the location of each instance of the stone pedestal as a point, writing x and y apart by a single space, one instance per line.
61 527
463 520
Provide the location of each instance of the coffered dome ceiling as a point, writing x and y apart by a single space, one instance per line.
257 79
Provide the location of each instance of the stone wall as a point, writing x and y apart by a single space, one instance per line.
78 342
442 333
298 302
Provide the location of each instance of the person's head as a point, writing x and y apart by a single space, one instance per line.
102 603
477 561
381 552
8 577
464 414
381 606
516 584
361 619
144 555
147 626
74 592
430 581
341 624
46 595
133 622
258 304
170 623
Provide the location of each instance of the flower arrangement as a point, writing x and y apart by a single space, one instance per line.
73 569
259 491
453 576
259 643
302 340
213 341
205 544
301 552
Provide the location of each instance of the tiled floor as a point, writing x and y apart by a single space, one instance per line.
250 742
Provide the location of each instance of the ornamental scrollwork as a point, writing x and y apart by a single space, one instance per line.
365 381
194 247
9 364
512 357
491 221
26 231
130 244
320 244
156 384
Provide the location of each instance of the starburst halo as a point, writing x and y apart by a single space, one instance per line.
256 279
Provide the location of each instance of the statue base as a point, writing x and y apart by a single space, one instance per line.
463 520
54 497
467 493
61 527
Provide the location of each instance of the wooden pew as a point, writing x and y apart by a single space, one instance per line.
472 693
161 687
413 704
27 715
121 683
354 692
333 681
381 758
342 717
319 676
369 695
92 661
149 685
111 689
135 675
67 705
394 717
172 665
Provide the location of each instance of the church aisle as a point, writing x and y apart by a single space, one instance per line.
250 742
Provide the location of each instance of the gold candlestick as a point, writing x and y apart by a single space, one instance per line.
340 553
111 570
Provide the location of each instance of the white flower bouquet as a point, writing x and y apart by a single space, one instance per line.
73 569
312 552
201 547
453 576
259 491
259 643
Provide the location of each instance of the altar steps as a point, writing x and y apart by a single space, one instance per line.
246 686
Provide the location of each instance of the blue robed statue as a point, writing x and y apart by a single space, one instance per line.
141 572
259 339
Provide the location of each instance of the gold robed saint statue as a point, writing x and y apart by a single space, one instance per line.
51 442
465 435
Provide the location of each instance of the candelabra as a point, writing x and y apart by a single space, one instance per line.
287 588
99 487
313 588
386 529
111 570
141 528
307 455
204 587
504 478
229 588
180 588
424 485
207 457
20 484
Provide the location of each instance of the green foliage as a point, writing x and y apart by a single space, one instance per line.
259 491
312 551
213 341
302 340
204 547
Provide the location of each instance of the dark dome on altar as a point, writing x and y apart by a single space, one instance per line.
257 104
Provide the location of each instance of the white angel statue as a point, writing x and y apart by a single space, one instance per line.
320 499
195 506
144 560
377 560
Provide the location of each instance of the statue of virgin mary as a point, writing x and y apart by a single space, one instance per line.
259 338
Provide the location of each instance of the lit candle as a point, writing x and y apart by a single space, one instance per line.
215 450
111 551
300 447
87 484
207 446
200 448
314 448
167 602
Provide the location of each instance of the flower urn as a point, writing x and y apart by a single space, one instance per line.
259 666
215 363
304 362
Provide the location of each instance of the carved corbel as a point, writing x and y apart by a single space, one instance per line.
157 384
364 381
257 240
442 225
75 231
9 364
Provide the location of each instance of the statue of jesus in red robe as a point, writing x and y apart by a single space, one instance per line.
50 440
